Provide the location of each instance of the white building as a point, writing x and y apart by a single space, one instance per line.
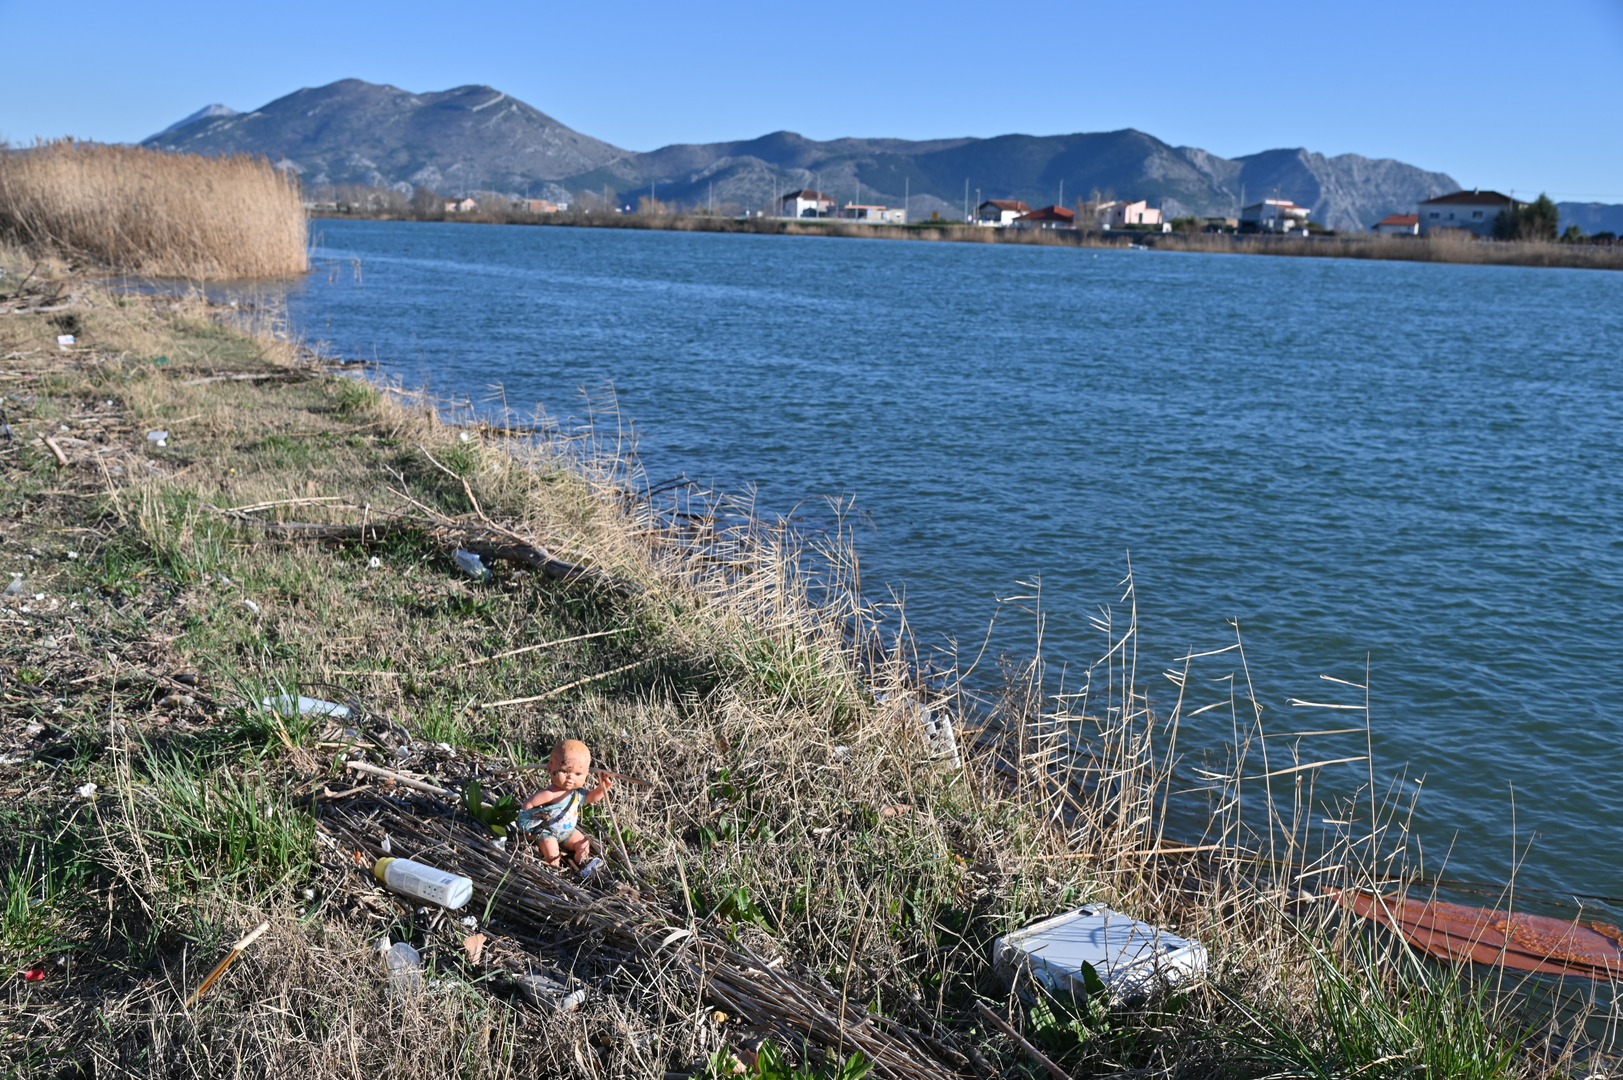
1398 225
873 215
1122 213
805 203
1273 215
1473 211
1000 212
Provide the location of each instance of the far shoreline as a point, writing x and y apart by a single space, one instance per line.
1442 249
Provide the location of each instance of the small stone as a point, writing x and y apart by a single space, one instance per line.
251 606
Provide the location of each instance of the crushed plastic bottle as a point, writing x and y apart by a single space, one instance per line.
405 967
291 704
471 565
158 438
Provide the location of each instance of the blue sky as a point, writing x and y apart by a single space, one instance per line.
1503 95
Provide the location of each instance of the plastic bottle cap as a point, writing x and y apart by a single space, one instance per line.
379 867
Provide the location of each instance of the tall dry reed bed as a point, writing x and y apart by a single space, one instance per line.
144 211
799 814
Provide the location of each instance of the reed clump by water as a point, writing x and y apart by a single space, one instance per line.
153 213
799 817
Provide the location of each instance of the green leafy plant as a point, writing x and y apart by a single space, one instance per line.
498 816
772 1064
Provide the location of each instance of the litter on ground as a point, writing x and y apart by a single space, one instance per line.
1130 958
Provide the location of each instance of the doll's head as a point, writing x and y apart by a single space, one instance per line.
569 764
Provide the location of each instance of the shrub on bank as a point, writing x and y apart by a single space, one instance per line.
149 212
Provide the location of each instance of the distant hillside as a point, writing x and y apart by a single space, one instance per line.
477 138
206 112
1592 217
472 137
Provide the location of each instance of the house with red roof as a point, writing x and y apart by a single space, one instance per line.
1049 217
1472 211
1274 215
1398 225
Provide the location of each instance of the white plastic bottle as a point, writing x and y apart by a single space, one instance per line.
424 882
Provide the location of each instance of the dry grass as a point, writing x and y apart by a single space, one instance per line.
797 809
147 212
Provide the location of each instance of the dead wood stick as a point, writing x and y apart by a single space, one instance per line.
555 691
530 555
290 376
404 781
1036 1055
56 452
525 649
236 950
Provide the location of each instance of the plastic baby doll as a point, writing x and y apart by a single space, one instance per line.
552 813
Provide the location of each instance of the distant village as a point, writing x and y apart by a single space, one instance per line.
1473 212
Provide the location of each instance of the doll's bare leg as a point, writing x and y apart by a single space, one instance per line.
549 851
579 845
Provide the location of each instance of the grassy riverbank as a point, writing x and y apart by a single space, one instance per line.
1441 249
153 811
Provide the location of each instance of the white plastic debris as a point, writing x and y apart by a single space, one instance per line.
1130 957
73 554
160 438
548 993
471 564
292 704
405 967
374 563
16 586
63 341
86 791
251 606
224 580
470 922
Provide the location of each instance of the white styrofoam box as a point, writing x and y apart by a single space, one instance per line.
1130 957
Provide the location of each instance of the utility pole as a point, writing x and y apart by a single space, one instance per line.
966 200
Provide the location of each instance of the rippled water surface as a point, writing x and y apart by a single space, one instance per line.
1411 463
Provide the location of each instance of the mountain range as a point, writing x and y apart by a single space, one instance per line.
477 138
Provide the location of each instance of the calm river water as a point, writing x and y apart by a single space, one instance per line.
1416 464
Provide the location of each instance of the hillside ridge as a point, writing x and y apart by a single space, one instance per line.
478 138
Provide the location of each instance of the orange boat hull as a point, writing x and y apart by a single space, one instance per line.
1484 936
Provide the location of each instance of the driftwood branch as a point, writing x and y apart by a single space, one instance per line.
530 555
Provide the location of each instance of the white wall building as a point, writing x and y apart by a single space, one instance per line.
1000 212
1473 211
1273 215
873 215
805 203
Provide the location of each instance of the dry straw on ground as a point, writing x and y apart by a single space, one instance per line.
148 212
